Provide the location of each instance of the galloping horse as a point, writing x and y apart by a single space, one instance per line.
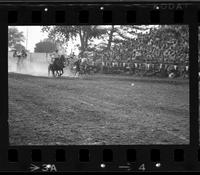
57 66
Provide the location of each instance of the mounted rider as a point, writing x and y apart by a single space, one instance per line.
57 63
55 55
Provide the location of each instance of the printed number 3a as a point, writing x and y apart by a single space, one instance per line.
49 167
142 167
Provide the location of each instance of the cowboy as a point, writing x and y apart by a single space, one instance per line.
54 56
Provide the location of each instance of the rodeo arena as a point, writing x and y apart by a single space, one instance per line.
132 92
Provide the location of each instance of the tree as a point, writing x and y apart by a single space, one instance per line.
14 37
45 46
19 47
120 38
65 33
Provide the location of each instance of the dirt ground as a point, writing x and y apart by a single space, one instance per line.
97 110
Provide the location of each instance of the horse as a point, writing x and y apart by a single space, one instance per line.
57 66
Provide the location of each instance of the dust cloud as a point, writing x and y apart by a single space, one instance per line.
34 68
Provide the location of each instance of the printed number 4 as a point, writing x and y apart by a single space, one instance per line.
142 167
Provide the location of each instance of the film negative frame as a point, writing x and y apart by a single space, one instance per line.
110 157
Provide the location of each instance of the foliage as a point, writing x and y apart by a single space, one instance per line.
14 37
45 46
19 47
65 33
155 43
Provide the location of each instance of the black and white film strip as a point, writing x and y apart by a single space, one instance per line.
99 86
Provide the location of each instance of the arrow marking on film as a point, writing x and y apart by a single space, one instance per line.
34 167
